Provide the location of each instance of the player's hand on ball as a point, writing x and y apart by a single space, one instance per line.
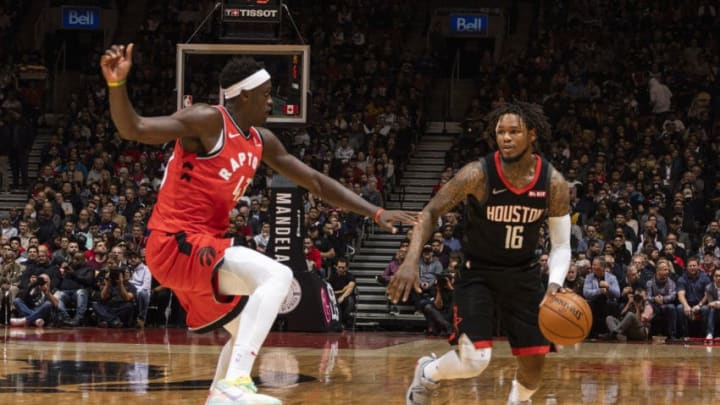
552 290
116 62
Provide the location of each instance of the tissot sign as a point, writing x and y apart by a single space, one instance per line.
267 11
84 18
469 24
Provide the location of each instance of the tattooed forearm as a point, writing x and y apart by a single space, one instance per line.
559 204
469 180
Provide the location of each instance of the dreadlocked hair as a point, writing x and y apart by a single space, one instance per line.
237 69
531 114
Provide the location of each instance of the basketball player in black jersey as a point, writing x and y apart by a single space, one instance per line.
510 193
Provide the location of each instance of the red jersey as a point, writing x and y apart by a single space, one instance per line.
198 191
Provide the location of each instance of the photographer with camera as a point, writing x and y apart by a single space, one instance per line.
116 304
75 280
636 317
35 303
446 285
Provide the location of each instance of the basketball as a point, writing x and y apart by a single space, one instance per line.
565 318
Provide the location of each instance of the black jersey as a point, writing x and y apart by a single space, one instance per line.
503 230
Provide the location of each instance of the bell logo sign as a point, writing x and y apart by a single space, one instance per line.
468 24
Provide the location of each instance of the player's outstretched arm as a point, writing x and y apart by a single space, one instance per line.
197 120
276 156
559 231
469 180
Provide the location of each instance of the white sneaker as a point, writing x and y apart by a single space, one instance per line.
18 322
39 322
709 336
513 399
238 391
422 388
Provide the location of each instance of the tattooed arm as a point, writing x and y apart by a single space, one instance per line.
559 230
470 180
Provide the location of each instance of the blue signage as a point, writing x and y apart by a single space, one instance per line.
469 24
84 18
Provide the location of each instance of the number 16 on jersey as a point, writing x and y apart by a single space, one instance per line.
514 236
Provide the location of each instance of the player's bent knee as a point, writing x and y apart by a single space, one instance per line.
283 274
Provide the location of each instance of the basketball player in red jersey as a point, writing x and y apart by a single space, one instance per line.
217 151
509 193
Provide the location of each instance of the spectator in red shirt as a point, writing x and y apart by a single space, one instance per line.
313 257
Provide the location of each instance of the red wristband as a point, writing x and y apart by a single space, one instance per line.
377 214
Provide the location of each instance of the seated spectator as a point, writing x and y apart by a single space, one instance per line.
711 309
602 291
115 306
441 252
76 278
662 292
573 281
449 238
141 279
629 283
8 230
430 269
691 288
35 303
636 317
263 238
313 258
10 276
343 283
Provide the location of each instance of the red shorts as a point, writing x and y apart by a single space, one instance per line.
188 265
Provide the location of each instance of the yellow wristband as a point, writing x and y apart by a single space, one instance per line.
117 83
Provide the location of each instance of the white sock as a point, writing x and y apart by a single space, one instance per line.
268 282
519 393
223 363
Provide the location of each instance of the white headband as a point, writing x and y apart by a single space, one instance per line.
248 83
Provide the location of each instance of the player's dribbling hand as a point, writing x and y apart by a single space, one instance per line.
116 62
404 281
552 290
388 218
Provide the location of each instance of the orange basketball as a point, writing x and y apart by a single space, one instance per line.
565 318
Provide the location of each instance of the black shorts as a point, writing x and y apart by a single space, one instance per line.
512 294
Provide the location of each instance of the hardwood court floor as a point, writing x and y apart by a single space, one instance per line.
159 366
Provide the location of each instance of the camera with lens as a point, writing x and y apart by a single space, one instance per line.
113 274
637 298
40 282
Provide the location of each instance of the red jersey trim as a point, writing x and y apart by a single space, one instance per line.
515 190
483 344
529 351
226 113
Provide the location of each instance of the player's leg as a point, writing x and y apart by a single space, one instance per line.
473 320
527 379
266 283
519 312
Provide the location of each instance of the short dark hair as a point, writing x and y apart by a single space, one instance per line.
237 69
532 115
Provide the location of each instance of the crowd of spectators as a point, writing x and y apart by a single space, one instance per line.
633 103
84 223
